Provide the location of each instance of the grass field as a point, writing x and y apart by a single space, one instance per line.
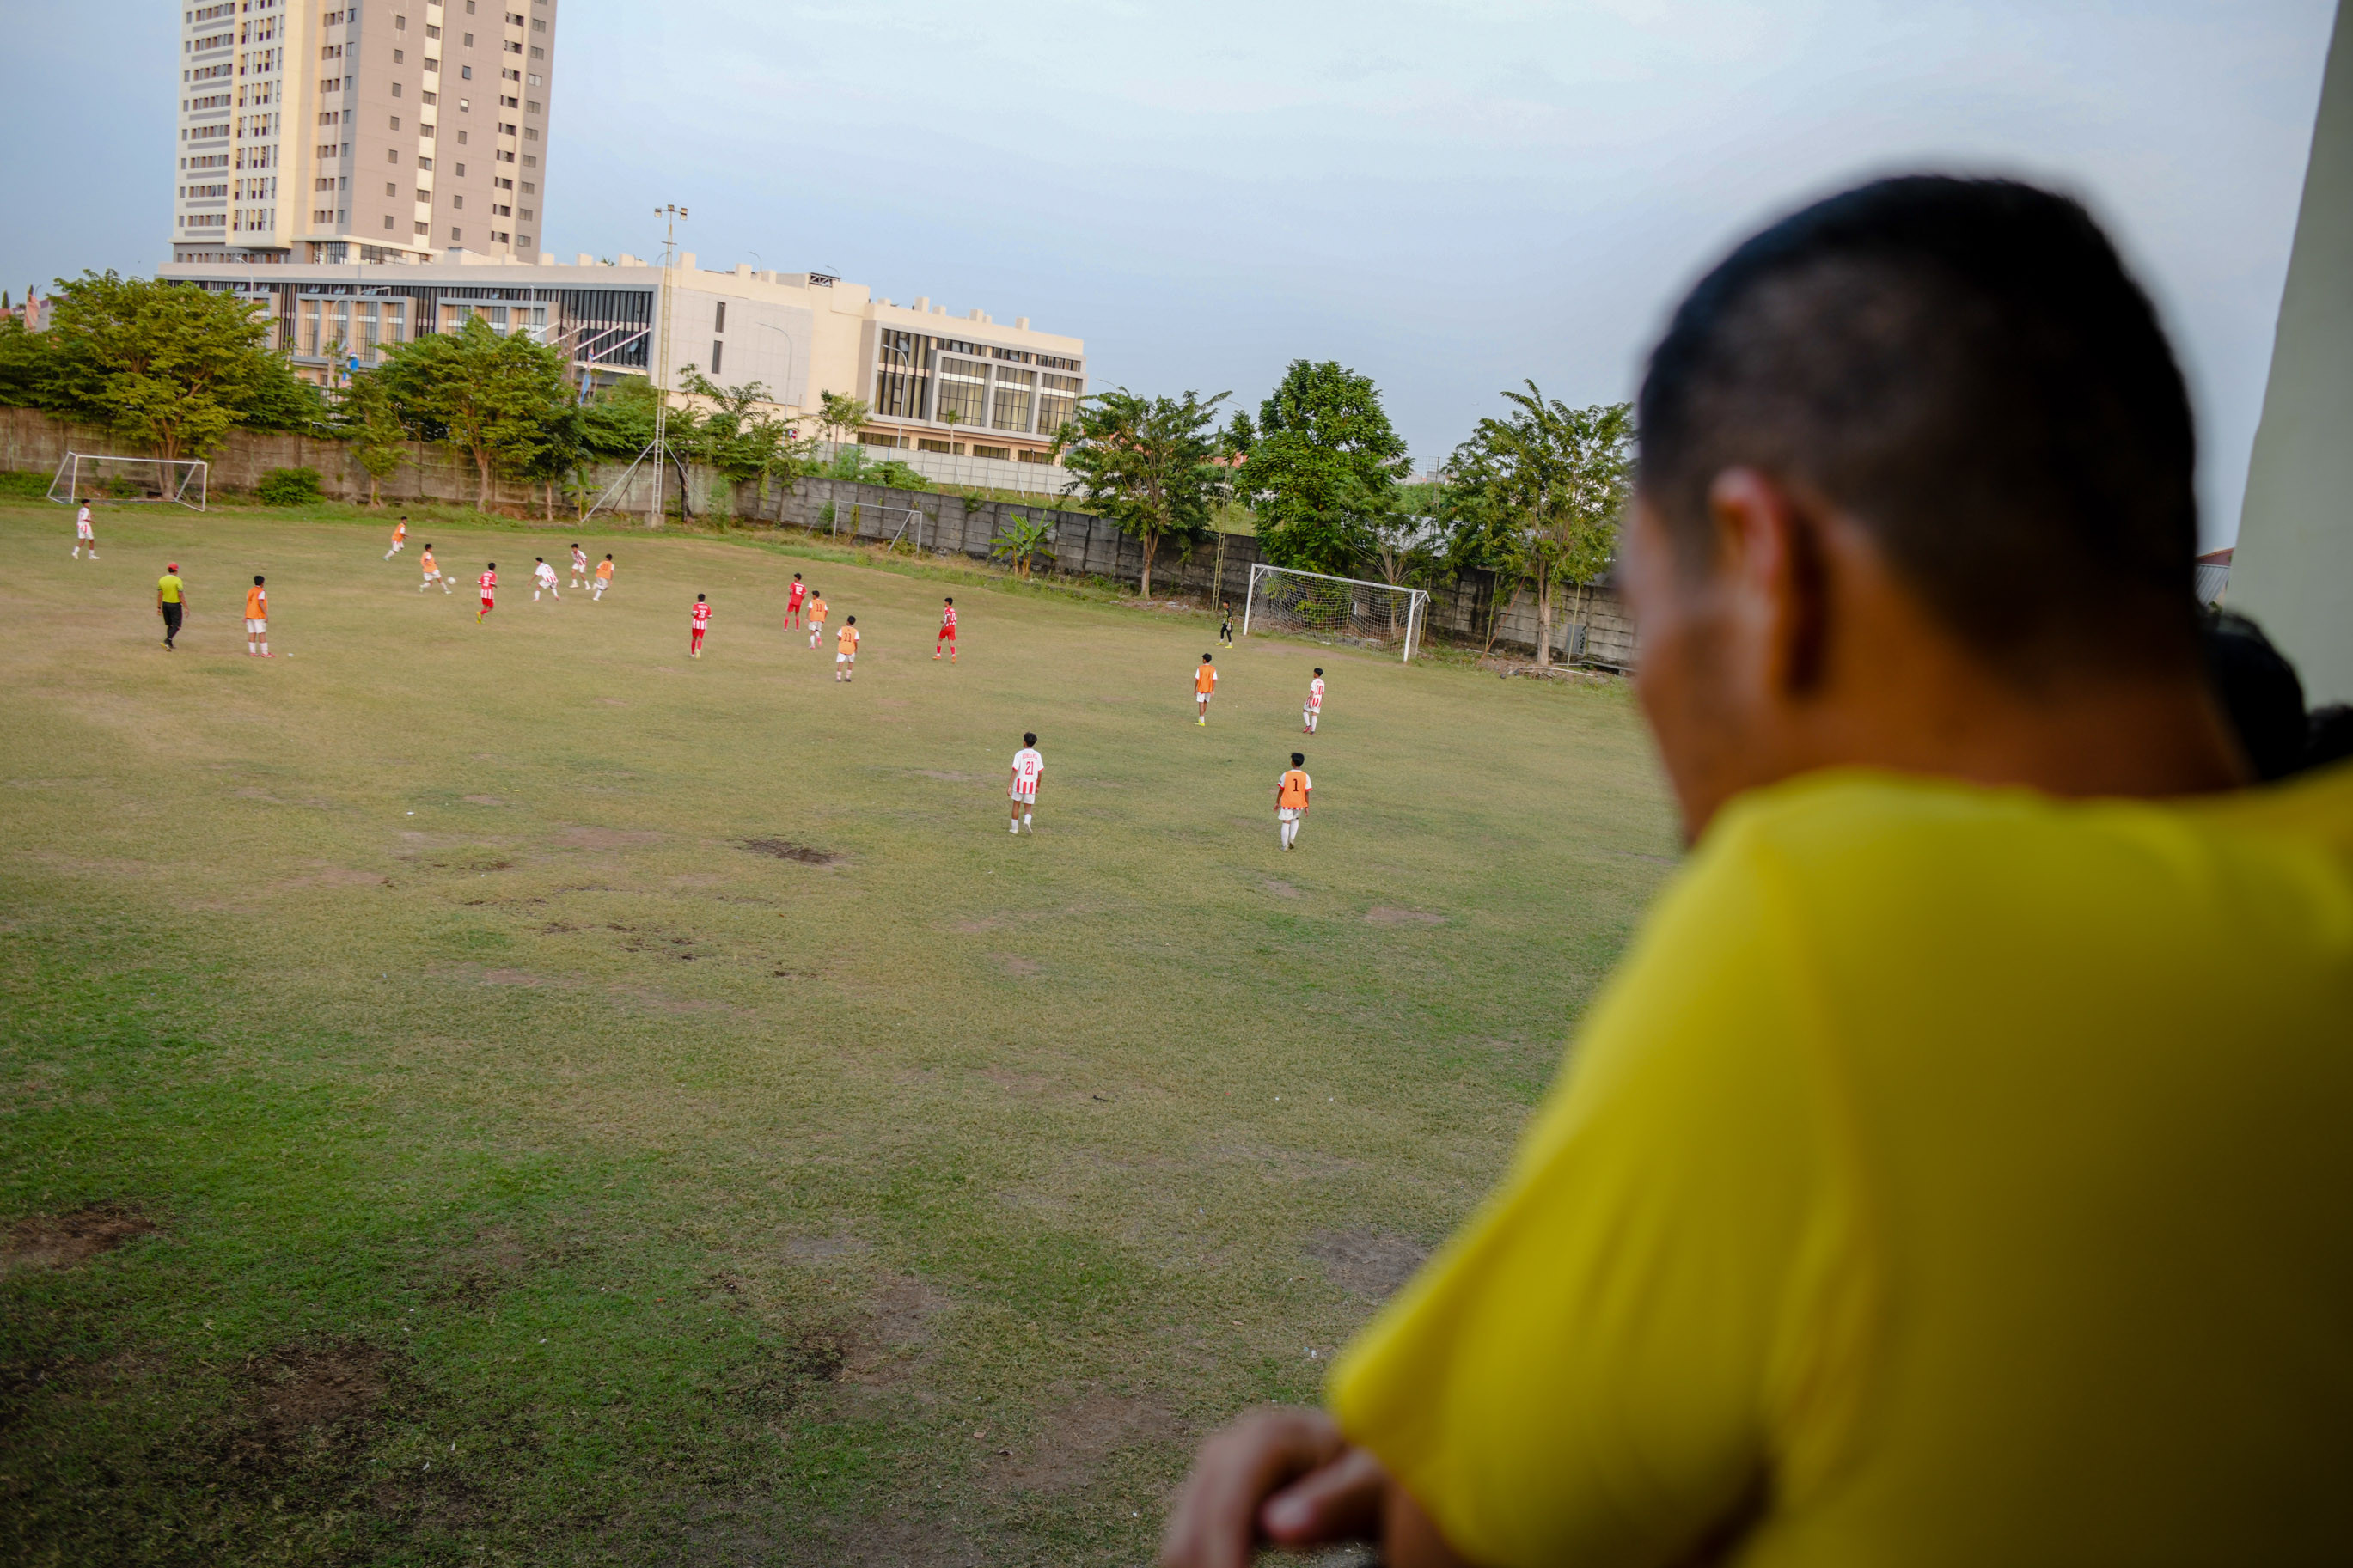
440 1127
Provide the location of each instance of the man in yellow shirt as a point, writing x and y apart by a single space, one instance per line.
171 602
1956 1169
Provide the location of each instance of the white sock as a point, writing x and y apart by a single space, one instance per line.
1016 827
265 650
1025 820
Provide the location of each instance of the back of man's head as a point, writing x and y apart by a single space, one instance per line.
1965 368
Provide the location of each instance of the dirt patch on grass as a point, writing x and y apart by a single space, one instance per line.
1085 1436
69 1240
332 876
306 1405
785 849
1371 1263
1390 915
1279 888
510 977
1016 964
896 1327
824 1248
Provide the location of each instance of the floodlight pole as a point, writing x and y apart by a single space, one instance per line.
670 213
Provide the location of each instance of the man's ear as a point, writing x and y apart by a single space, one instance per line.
1773 572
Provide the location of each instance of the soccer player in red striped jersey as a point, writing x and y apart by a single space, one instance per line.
1314 705
793 602
701 625
1028 765
947 631
489 585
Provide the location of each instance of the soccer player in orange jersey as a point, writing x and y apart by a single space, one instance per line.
1205 684
489 585
816 616
1290 793
701 625
793 602
947 631
844 657
1314 708
257 619
604 578
399 539
432 572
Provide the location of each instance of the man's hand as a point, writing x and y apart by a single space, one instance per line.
1287 1476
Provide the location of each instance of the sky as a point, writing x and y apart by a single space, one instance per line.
1451 199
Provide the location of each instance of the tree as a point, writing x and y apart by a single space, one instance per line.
843 414
1546 484
492 394
1148 464
1321 455
1404 532
1023 539
743 444
168 365
373 425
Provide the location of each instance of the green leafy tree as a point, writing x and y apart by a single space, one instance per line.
369 420
167 365
843 414
1547 484
617 423
743 444
1149 464
1022 540
492 394
1321 459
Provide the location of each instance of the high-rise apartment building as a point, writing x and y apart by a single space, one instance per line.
345 131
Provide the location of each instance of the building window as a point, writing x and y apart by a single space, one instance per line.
963 390
423 229
395 90
1002 454
387 221
456 201
455 235
719 317
1010 408
717 350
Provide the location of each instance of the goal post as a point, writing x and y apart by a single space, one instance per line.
1334 609
104 476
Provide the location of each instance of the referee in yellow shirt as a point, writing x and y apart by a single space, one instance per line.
1959 1167
171 602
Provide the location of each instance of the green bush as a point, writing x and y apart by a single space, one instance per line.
289 487
21 485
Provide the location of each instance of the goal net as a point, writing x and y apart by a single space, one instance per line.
1334 609
98 476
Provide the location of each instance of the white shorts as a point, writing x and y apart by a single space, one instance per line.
1286 813
254 628
1020 799
433 576
845 659
81 530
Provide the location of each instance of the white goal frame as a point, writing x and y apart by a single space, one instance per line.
173 476
1268 582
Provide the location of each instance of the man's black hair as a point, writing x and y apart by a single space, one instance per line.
947 599
2260 691
1205 658
1298 758
1966 368
2328 735
257 579
1319 669
1028 740
851 622
698 598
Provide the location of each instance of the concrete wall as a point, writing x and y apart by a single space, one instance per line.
2293 568
940 525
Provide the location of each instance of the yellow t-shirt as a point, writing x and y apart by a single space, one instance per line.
1947 1175
170 586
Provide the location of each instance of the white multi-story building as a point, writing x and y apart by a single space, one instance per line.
964 385
340 130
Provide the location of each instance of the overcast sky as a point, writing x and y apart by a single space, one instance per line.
1449 197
